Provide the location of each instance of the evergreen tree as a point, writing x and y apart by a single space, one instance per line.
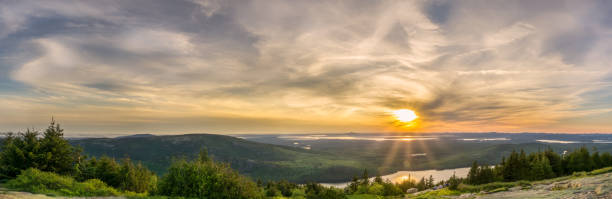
486 174
378 179
472 176
390 189
555 162
579 160
597 163
606 159
26 150
19 152
453 182
354 185
365 179
511 170
58 155
421 185
523 166
540 168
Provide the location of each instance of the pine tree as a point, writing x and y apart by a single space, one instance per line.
365 179
486 174
606 159
57 154
421 185
472 176
26 150
354 185
453 182
597 163
523 166
378 179
512 166
555 162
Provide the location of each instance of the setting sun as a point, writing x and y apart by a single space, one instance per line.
405 115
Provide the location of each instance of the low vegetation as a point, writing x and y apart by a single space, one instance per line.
204 178
36 181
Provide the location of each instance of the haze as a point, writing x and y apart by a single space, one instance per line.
103 67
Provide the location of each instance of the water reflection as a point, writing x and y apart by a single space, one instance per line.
400 176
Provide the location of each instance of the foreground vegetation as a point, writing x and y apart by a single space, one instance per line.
46 163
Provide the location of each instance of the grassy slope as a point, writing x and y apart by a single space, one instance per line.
260 161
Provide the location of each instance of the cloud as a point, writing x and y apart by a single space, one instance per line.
299 66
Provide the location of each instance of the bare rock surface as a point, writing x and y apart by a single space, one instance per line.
599 186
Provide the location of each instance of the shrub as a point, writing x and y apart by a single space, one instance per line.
205 178
136 178
376 189
36 181
126 176
298 194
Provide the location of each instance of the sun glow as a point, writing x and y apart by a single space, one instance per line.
405 115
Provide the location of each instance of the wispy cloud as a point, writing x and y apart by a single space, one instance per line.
304 66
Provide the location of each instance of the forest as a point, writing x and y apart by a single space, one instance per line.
45 162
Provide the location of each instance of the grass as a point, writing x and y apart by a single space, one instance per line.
601 171
36 181
439 193
490 187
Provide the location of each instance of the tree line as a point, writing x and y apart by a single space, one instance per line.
538 166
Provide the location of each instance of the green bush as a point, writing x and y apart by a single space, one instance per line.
376 189
36 181
298 194
205 178
125 176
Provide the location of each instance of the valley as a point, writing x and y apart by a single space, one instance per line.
334 158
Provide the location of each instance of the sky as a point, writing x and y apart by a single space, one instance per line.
306 66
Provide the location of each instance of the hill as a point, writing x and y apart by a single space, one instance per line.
394 152
257 160
274 157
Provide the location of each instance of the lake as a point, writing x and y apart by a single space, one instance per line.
400 176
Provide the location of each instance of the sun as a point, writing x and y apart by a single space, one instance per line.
405 115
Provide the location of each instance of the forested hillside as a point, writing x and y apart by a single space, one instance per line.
260 161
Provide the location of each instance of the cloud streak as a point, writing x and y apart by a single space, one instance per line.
304 66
